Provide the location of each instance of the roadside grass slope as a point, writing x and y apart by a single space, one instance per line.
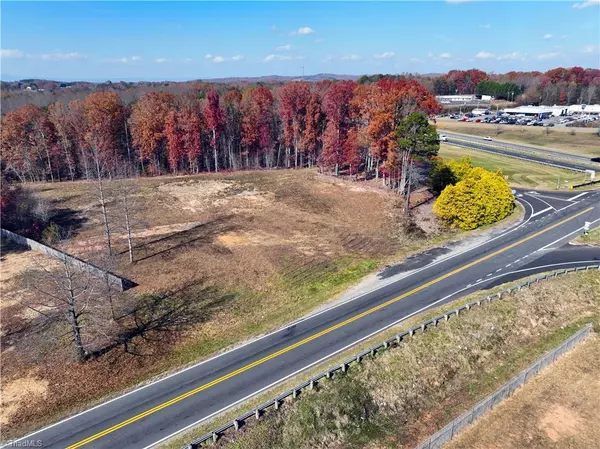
408 393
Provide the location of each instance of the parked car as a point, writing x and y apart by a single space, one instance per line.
487 138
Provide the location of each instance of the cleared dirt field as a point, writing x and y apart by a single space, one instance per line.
558 409
585 141
218 259
520 173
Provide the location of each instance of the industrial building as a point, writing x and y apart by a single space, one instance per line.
538 111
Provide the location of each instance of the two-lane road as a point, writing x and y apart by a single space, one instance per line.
150 414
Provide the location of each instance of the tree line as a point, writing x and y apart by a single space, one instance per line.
342 127
556 86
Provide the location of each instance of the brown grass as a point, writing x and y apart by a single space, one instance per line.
558 409
419 387
242 253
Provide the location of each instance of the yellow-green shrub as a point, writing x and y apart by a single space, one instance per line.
481 198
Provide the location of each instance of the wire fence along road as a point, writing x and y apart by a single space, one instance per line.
452 429
293 393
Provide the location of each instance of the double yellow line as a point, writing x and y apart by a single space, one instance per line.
314 337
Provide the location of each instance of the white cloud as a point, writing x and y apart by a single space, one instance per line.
124 60
590 49
286 47
350 58
208 56
274 57
302 31
385 55
160 60
486 26
547 36
237 58
218 59
511 56
445 56
8 53
485 55
546 56
61 56
586 4
318 41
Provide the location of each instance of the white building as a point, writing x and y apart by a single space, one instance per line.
537 111
456 99
590 109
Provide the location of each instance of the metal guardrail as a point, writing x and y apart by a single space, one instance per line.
293 393
449 431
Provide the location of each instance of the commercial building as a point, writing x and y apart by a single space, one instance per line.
538 111
588 109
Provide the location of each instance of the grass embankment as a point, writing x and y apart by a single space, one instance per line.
593 238
219 259
585 141
559 408
407 393
520 173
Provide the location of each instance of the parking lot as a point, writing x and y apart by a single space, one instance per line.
501 118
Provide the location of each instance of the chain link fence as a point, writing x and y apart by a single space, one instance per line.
452 429
293 393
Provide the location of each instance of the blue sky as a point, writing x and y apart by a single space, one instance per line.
191 40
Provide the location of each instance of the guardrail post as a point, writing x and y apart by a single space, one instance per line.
236 424
344 367
398 339
328 375
277 404
358 359
411 332
215 437
312 384
373 352
385 345
423 327
445 317
468 306
457 311
257 414
499 295
294 393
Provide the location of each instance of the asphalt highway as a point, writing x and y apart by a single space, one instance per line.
153 413
538 155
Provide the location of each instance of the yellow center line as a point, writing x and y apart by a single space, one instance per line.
314 336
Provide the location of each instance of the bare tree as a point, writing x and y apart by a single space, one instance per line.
100 172
125 191
66 293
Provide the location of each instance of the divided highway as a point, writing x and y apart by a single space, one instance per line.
153 413
566 161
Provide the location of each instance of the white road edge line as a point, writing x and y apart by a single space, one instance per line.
565 236
542 211
578 196
344 348
283 328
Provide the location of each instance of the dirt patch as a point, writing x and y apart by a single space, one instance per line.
560 422
195 195
18 392
560 408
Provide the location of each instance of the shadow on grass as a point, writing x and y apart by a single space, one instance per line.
200 234
156 317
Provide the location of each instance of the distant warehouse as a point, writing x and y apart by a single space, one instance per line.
537 111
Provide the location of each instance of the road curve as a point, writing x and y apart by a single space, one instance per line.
148 415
